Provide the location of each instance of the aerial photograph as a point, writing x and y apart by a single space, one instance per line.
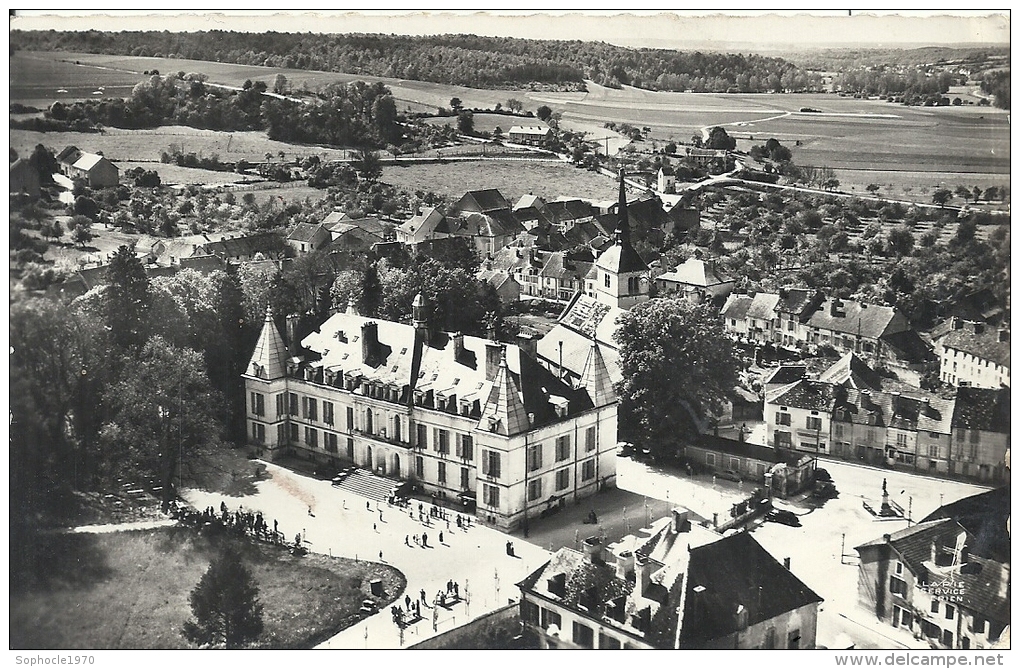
489 330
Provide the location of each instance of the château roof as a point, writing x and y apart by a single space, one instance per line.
270 355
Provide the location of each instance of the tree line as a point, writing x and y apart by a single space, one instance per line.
354 114
464 60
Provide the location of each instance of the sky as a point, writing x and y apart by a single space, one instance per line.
656 28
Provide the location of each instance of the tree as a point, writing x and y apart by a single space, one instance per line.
86 206
225 604
369 299
367 163
81 230
962 192
544 113
45 163
900 241
466 123
872 188
941 196
677 367
455 104
718 138
514 105
976 193
162 410
280 86
992 193
127 299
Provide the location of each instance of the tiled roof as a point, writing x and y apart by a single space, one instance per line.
480 201
986 517
538 130
984 345
529 201
807 394
429 218
695 272
853 317
245 246
785 374
88 160
732 572
798 301
853 371
621 258
736 306
909 347
306 232
268 359
744 449
763 307
984 409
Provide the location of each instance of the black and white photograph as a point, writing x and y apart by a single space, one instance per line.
497 330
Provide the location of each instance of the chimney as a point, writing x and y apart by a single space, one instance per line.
1003 335
934 553
593 549
979 328
458 345
786 563
681 523
369 342
955 323
528 344
292 342
642 575
834 307
740 617
887 538
493 353
624 564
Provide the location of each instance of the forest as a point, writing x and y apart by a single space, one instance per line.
464 60
354 114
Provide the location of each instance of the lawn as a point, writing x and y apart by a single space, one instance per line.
129 590
513 179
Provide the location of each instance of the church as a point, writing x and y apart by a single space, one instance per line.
462 417
618 281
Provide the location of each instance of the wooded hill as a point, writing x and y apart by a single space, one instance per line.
464 60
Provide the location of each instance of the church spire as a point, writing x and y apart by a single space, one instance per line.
623 225
270 355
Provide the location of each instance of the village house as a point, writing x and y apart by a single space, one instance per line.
532 135
462 417
420 227
926 580
308 237
697 280
793 309
848 325
665 180
244 248
94 169
676 585
845 413
973 354
484 216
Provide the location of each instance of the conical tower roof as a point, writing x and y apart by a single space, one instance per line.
268 360
595 378
504 411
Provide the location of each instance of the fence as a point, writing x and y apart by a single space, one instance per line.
470 631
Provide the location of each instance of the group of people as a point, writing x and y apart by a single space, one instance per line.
241 522
410 612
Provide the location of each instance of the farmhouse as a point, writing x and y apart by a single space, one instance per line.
420 227
97 171
461 416
529 134
308 237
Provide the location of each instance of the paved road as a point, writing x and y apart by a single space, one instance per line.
336 522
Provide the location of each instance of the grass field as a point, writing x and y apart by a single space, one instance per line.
512 178
130 590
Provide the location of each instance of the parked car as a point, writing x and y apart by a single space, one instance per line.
783 517
730 475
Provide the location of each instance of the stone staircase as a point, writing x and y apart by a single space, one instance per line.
371 486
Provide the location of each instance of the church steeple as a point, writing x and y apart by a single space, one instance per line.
622 234
268 361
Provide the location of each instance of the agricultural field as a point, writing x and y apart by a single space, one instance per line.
513 179
147 144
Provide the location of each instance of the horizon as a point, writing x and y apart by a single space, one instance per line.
718 30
